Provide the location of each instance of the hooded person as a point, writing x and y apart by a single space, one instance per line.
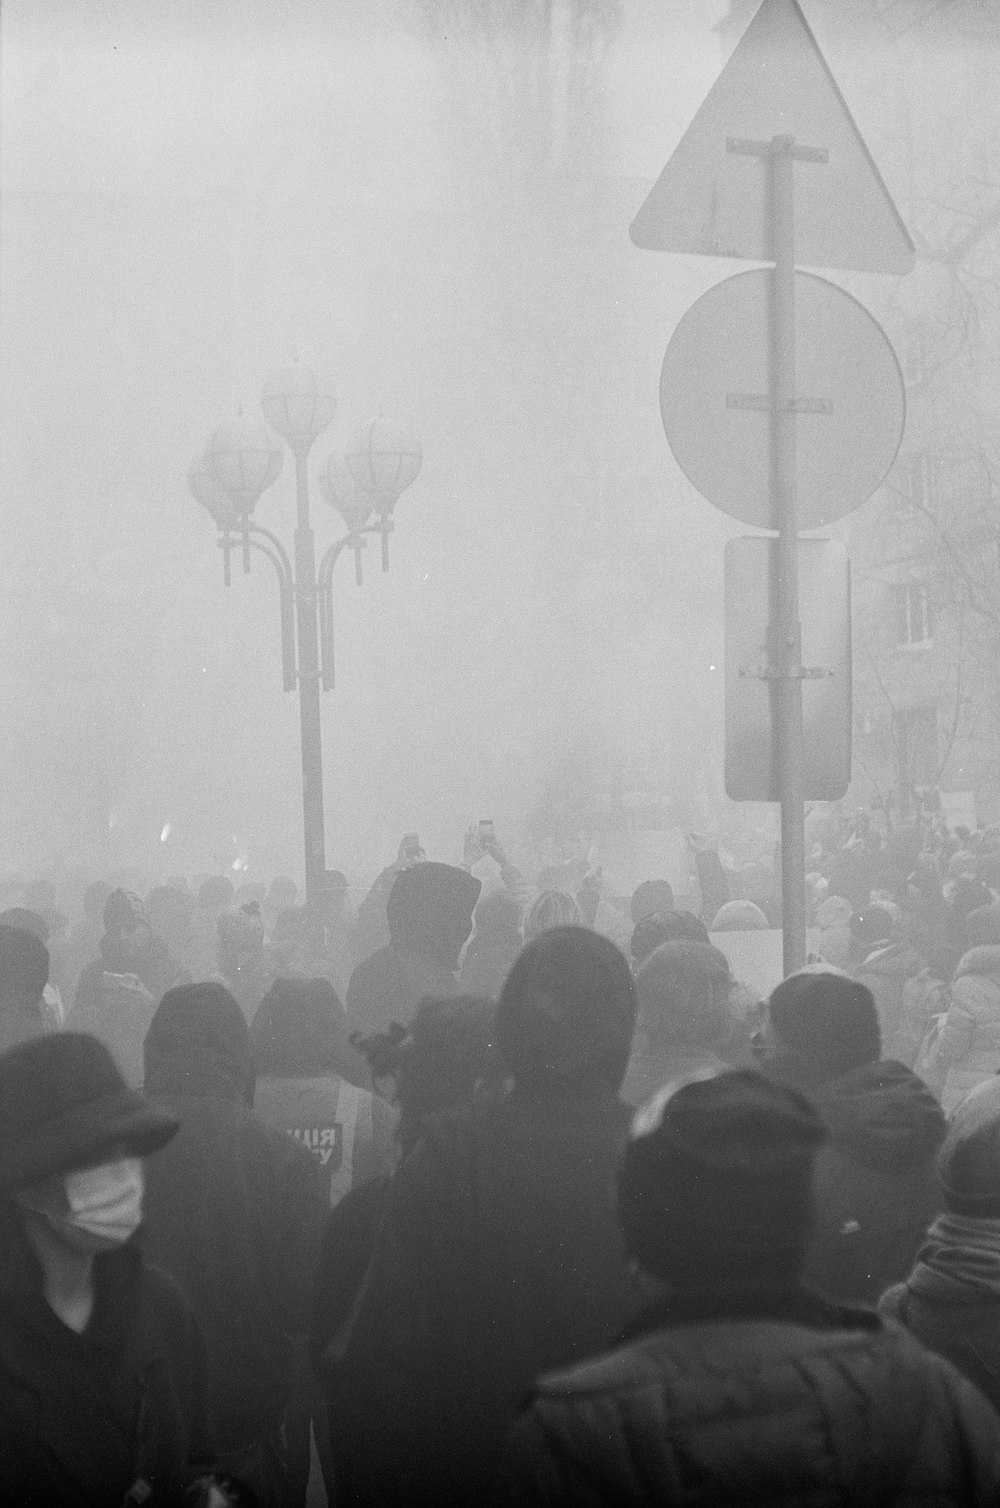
494 945
967 1050
233 1210
24 973
429 913
736 1384
499 1254
102 1371
876 1183
951 1299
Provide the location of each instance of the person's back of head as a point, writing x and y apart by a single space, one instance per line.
739 916
652 898
684 996
675 926
300 1028
497 917
429 909
566 1015
198 1043
550 908
24 969
826 1019
715 1185
216 893
439 1060
26 920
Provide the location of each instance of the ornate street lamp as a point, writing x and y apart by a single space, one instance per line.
383 459
240 461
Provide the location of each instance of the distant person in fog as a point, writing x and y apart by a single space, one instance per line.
686 1021
652 898
24 973
968 1048
735 1383
430 918
494 945
499 1253
129 946
83 942
549 909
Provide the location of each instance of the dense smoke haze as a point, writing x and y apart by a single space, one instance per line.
432 206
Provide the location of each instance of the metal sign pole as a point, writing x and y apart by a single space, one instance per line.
786 629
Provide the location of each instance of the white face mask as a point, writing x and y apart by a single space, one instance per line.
105 1203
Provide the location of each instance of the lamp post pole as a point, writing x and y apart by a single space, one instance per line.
309 679
240 461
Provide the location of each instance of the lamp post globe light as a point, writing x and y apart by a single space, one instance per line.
241 460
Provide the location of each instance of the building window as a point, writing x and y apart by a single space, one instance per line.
912 614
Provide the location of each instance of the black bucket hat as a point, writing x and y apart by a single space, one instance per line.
64 1105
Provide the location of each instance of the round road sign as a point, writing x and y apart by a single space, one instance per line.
849 399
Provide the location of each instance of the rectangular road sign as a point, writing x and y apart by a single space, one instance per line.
825 612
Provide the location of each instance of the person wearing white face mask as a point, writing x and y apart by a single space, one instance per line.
102 1371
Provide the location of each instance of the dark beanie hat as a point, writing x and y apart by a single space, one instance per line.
566 1013
969 1159
123 910
715 1186
651 898
64 1105
828 1017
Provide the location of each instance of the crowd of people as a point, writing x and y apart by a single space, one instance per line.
498 1191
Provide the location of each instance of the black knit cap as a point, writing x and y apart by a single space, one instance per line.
715 1186
64 1105
828 1017
566 1014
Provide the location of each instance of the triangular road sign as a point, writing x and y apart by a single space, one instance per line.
712 201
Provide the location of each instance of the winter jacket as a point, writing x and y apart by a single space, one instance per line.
968 1049
349 1131
885 971
499 1256
803 1403
951 1299
83 1418
876 1184
430 918
234 1211
22 1024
